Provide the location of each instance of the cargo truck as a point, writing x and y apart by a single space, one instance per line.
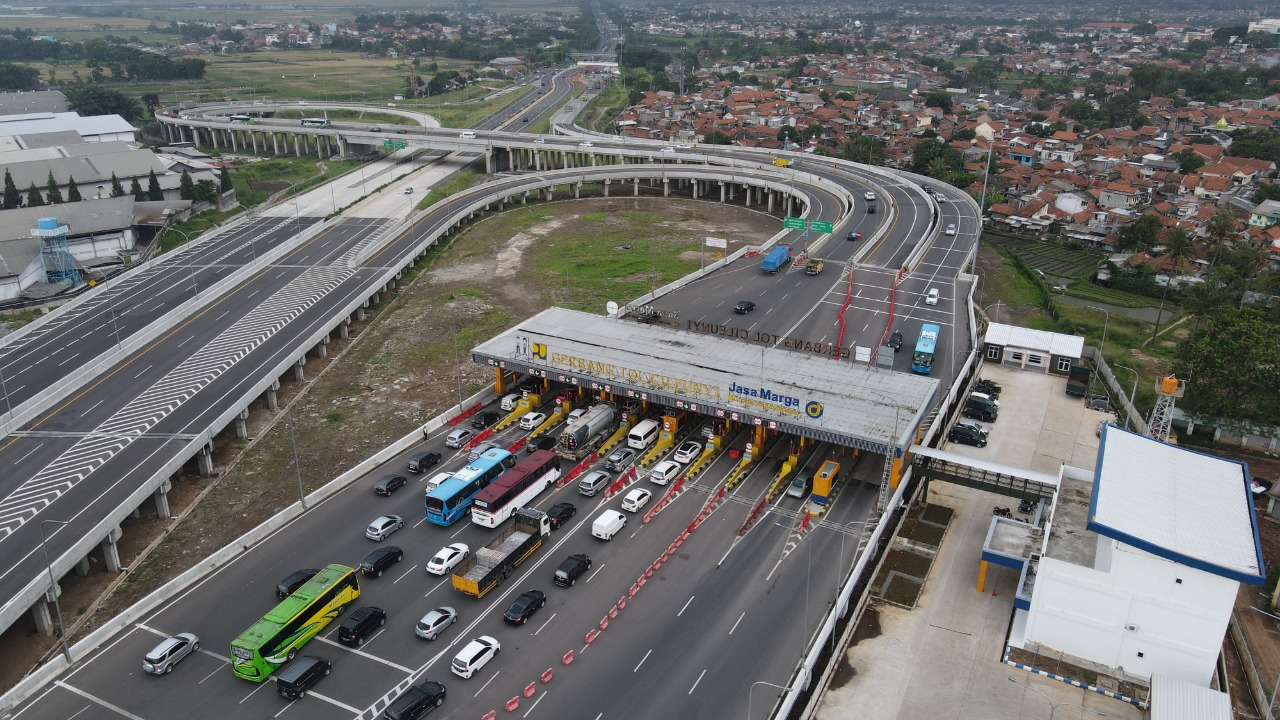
814 266
492 563
582 436
1078 380
776 259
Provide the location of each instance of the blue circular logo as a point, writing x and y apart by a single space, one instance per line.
813 409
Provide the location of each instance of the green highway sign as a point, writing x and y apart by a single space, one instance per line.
793 223
386 144
400 145
821 226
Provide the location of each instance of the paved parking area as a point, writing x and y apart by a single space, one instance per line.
943 659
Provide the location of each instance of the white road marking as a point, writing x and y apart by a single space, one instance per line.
545 624
535 704
695 682
206 677
331 701
98 700
143 372
592 575
486 684
184 342
646 657
24 457
364 654
260 686
686 606
406 574
735 624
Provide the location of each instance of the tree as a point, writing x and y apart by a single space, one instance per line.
52 193
33 197
1220 228
860 148
90 99
205 191
715 137
788 134
224 180
116 190
73 192
186 187
151 101
1267 191
964 134
1235 360
1188 160
154 192
939 99
136 190
1204 301
12 198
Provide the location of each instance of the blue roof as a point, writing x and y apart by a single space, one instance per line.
1187 507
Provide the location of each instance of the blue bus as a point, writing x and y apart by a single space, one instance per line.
922 360
451 499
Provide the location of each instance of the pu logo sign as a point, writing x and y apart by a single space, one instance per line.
540 351
813 409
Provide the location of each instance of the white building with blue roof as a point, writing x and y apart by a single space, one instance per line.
1141 563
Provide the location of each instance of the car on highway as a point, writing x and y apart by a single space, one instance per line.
481 449
560 513
688 450
542 442
586 144
388 484
635 499
402 132
940 197
743 307
668 149
475 656
895 340
526 119
163 657
415 702
571 569
619 459
360 625
295 580
574 415
378 561
483 420
459 437
951 229
447 558
435 622
664 472
529 602
593 482
532 420
683 146
383 526
969 433
932 297
300 675
869 196
420 461
927 188
853 236
540 141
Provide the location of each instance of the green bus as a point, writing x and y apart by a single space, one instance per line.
274 639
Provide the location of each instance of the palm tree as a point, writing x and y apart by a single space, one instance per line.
1220 228
1205 301
939 169
1177 249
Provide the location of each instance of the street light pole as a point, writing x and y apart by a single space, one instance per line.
1105 324
297 467
1053 707
1133 400
995 305
982 208
53 586
753 688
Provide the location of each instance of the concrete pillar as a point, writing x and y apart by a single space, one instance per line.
360 314
205 459
666 188
344 329
635 188
770 194
110 551
606 188
489 167
299 373
344 147
320 147
40 614
213 139
135 513
162 499
322 348
272 389
235 141
721 192
577 190
82 567
242 428
253 138
537 160
296 151
551 193
524 198
748 189
275 143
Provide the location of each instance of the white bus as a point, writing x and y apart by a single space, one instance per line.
315 122
242 119
515 488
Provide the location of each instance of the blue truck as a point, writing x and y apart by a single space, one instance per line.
776 258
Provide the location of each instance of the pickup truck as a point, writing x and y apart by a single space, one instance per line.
813 266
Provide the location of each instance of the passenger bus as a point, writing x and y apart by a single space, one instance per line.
515 488
243 119
315 122
273 640
452 499
922 360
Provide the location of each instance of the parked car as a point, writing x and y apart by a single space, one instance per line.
635 499
475 656
979 412
415 702
293 680
420 461
383 526
532 420
435 622
447 558
163 657
295 580
378 561
360 625
687 451
968 433
619 459
388 484
529 602
571 569
743 307
560 513
895 340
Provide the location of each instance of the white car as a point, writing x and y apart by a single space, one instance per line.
668 149
448 557
573 416
541 141
664 471
636 499
687 451
685 147
381 528
932 297
474 656
940 197
951 229
532 420
869 196
586 144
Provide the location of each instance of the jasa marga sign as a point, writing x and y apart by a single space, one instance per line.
766 400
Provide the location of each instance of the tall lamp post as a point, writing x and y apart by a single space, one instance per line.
1133 399
1053 706
753 688
1105 324
53 585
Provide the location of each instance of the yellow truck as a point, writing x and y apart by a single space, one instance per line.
782 162
813 266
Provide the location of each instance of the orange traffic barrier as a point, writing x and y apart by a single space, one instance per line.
530 689
546 676
513 704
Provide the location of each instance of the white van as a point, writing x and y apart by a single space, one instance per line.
608 524
643 435
510 401
467 135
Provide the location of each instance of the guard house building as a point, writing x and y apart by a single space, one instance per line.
1139 568
1027 349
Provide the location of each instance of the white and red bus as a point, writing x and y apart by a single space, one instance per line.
515 488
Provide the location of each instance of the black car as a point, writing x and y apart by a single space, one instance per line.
571 569
524 607
526 119
420 461
542 442
388 484
895 340
356 629
287 586
743 307
485 419
294 679
969 433
979 412
402 132
415 702
560 513
381 559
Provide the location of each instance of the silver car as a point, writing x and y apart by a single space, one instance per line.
619 459
435 622
163 657
381 528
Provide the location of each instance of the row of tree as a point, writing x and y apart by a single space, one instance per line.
102 57
188 189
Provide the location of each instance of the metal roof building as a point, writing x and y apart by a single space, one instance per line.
95 128
726 376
